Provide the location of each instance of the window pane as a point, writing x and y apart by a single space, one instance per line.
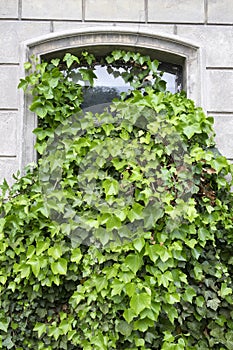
106 86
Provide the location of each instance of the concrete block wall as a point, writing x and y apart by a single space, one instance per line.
208 22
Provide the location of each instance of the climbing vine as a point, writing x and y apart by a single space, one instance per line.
121 236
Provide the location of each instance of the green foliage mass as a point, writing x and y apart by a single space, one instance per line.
121 236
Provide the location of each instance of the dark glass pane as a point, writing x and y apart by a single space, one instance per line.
107 87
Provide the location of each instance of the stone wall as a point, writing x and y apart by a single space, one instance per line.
208 23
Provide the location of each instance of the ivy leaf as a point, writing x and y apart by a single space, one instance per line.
133 262
39 109
41 246
172 298
88 75
157 250
130 289
55 252
55 61
8 343
190 130
111 187
135 212
69 59
35 265
139 243
151 214
59 267
225 290
140 302
117 287
40 328
113 222
129 314
27 65
101 283
142 325
189 294
165 278
213 303
124 328
4 325
76 255
171 312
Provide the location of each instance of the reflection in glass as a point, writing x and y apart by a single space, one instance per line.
107 87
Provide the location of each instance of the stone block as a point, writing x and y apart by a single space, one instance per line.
220 11
8 144
219 90
178 11
9 80
53 9
223 126
157 28
214 40
117 10
14 32
8 167
9 9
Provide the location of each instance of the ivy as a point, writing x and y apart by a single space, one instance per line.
121 236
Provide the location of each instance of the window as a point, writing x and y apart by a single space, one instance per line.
183 60
109 85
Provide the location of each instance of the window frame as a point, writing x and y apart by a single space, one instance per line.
101 40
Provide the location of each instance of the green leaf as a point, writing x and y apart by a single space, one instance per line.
39 109
113 222
133 262
54 331
101 283
213 303
69 59
172 298
140 341
59 267
4 324
190 130
129 314
41 246
152 214
23 84
189 294
88 75
219 163
116 286
158 251
27 65
139 244
76 255
55 252
225 290
130 289
25 271
111 187
35 265
135 212
40 328
55 61
171 312
124 328
165 278
140 302
191 243
8 343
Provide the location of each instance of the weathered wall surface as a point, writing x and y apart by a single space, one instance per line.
208 22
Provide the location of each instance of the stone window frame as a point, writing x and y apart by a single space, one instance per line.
164 47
